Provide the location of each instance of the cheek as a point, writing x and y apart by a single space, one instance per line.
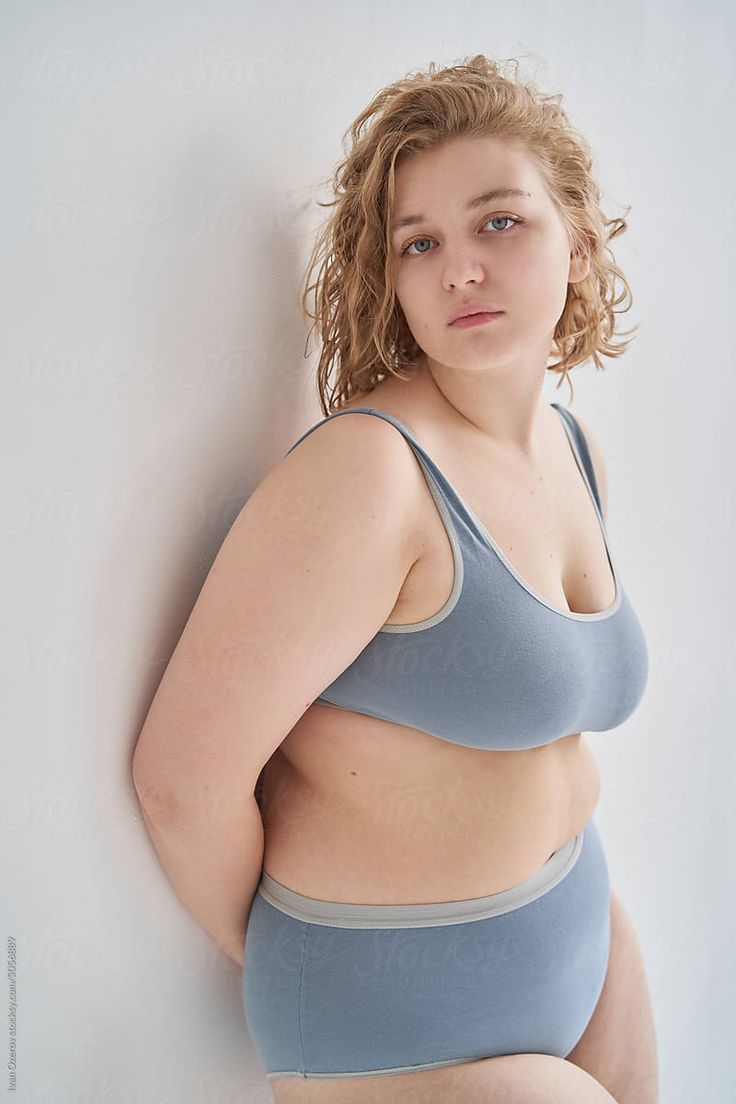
542 279
419 283
410 294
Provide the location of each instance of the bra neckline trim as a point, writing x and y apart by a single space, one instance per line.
571 615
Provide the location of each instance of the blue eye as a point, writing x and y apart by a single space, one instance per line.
495 218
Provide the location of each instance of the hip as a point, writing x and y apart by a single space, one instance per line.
340 989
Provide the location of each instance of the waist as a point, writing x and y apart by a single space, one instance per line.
419 842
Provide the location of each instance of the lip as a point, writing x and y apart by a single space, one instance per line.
473 307
482 318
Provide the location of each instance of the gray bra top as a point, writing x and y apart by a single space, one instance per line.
498 667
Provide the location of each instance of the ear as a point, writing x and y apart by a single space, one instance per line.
579 267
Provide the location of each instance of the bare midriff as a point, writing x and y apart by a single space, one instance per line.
360 810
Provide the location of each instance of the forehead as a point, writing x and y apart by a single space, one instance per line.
458 170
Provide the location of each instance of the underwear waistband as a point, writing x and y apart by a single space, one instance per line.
428 914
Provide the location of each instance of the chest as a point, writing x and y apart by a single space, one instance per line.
544 525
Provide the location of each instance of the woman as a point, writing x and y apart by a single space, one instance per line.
423 615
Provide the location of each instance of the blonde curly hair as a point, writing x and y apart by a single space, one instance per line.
362 327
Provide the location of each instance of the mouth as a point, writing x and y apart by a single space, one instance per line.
476 319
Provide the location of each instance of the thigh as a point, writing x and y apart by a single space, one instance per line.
619 1045
510 1079
338 990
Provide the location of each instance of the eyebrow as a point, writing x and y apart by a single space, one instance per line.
486 197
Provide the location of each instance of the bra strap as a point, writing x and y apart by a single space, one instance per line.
583 450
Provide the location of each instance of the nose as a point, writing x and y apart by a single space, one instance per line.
462 267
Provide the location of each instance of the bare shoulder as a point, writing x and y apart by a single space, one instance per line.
596 456
305 578
363 452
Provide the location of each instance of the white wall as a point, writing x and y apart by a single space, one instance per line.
161 168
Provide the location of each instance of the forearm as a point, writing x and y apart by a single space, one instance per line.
213 859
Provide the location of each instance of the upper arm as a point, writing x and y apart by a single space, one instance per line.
308 573
598 465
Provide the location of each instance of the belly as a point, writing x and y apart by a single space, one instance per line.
359 810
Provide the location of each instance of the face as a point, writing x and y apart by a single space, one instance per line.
511 252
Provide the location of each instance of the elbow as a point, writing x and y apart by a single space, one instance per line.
191 802
156 803
160 802
156 794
